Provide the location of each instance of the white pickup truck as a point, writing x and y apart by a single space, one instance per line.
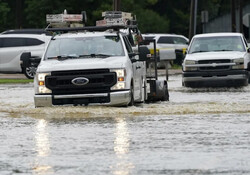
217 59
82 68
96 65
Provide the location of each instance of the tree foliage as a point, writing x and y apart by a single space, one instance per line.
34 12
4 10
164 16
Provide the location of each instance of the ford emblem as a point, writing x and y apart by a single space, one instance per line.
80 81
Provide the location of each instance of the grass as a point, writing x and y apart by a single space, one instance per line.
15 81
176 66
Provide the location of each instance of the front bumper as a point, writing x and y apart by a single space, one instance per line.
220 78
118 98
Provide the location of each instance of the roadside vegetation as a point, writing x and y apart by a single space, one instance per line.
15 81
153 16
176 66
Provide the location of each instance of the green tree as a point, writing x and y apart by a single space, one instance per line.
36 10
165 16
4 10
148 19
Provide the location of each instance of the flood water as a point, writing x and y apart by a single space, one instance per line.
199 131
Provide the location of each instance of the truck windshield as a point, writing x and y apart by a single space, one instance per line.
217 44
85 47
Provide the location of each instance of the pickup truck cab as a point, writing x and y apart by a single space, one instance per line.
90 67
217 59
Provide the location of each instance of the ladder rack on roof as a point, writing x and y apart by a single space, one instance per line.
113 20
116 18
88 28
66 20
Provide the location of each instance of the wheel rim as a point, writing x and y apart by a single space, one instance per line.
30 71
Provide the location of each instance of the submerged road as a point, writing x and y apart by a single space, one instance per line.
199 131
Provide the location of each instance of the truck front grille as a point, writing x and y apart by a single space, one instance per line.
214 68
100 81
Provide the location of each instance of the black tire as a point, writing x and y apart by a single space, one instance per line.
132 102
30 72
249 76
166 94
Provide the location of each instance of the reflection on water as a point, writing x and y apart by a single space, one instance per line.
41 137
121 148
42 148
121 138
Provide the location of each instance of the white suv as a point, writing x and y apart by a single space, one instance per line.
217 59
14 42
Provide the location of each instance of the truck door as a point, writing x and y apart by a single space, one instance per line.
137 72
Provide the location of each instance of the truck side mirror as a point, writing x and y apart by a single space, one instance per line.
248 50
143 53
25 58
132 57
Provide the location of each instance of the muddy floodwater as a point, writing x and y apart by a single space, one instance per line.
199 131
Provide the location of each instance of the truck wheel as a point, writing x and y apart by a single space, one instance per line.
132 102
249 76
166 94
30 72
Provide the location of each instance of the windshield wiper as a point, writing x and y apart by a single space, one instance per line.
223 50
95 55
198 51
64 57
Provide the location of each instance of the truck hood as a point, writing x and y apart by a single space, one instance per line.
82 63
215 55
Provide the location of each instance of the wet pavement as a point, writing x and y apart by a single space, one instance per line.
199 131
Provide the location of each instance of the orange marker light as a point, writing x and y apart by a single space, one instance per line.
41 83
121 79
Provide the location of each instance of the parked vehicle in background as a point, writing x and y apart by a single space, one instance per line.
217 59
168 45
14 42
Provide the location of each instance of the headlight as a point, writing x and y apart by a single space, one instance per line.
42 89
188 62
189 65
121 78
239 63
